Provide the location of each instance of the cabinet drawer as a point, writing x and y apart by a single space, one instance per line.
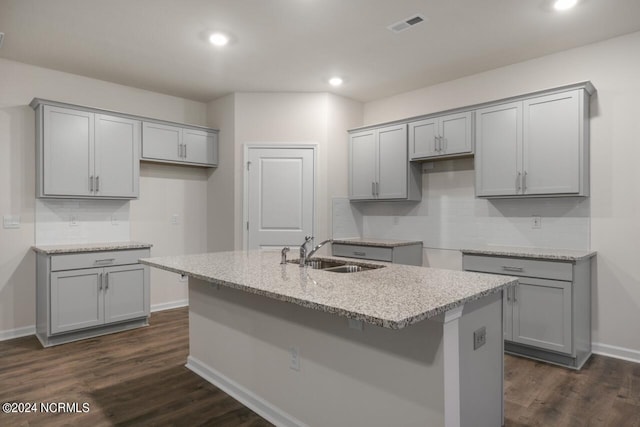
519 267
97 259
365 252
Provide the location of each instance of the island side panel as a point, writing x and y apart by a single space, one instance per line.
482 369
376 377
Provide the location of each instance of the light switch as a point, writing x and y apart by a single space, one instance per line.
11 221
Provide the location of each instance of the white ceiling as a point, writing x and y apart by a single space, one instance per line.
296 45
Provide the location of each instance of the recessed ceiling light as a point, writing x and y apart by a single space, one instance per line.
335 81
564 4
218 39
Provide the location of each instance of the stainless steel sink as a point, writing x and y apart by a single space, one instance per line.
335 266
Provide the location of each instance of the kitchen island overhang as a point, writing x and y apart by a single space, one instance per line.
291 359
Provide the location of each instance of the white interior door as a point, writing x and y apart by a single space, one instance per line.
280 196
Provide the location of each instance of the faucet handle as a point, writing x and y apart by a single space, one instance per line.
307 239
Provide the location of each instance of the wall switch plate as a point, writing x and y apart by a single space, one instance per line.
11 221
479 337
73 221
294 362
536 221
174 219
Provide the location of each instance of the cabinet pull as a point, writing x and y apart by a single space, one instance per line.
518 179
524 181
91 183
357 253
515 295
509 268
106 279
99 281
373 188
508 294
377 188
105 261
185 150
97 183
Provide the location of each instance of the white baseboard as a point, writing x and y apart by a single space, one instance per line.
616 352
170 305
249 399
17 333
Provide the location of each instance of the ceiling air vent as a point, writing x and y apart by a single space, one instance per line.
1 38
405 24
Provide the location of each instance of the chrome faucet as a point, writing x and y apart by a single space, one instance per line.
283 254
303 250
318 246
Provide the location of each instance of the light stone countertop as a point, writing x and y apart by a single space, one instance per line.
89 247
388 243
392 297
532 253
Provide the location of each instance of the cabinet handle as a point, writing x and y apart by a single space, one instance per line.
509 268
185 150
97 183
373 188
508 294
99 281
524 181
518 180
515 294
91 183
377 188
359 253
106 279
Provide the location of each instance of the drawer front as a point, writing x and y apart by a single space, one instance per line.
519 267
365 252
97 259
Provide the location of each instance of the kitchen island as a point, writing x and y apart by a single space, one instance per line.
387 346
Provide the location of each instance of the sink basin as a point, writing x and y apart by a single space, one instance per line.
335 266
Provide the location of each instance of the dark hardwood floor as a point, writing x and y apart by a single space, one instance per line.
138 378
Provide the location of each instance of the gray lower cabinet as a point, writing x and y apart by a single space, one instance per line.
87 294
547 316
173 144
404 254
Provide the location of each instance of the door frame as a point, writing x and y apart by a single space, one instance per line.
245 196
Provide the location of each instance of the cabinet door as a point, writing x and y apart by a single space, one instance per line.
117 158
200 146
393 162
422 139
161 142
76 299
498 156
362 164
542 314
126 293
67 152
551 144
455 133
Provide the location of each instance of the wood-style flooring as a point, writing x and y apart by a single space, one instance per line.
138 378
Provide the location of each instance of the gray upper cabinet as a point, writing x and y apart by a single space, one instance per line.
174 144
82 154
534 147
379 167
441 137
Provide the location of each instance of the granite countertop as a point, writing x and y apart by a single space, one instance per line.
89 247
388 243
533 253
392 297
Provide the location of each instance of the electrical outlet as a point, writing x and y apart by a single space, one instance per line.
174 219
479 337
536 221
11 221
114 220
294 362
355 324
396 220
73 221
